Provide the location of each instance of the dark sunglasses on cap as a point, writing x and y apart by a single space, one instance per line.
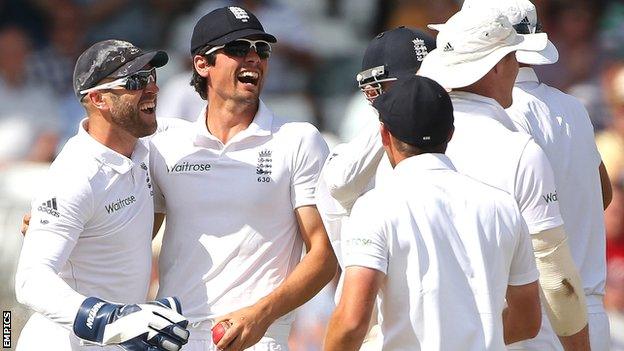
136 81
242 47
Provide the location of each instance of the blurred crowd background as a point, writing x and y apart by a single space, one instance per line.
312 78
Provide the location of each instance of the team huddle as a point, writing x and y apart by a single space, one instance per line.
467 214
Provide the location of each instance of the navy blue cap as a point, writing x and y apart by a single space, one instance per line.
112 59
417 111
399 51
227 24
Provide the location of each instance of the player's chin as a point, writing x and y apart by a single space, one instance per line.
148 123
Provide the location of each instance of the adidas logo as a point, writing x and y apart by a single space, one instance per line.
239 13
49 207
448 47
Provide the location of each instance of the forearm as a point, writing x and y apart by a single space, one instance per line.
563 295
315 270
515 328
45 292
353 166
605 185
37 283
340 337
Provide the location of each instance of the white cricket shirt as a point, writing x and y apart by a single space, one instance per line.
231 235
351 169
449 246
90 232
559 123
487 147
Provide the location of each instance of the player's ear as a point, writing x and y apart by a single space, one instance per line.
385 135
96 98
450 135
201 65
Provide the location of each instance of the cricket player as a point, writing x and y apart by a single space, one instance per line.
86 259
237 187
357 166
414 239
475 57
560 125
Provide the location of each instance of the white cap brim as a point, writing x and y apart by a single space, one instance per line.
547 56
466 72
436 26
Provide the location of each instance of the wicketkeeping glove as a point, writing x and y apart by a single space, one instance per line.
154 326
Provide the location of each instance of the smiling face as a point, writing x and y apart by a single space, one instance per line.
134 110
236 78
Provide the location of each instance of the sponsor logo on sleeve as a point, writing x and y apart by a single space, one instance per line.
50 207
359 242
550 197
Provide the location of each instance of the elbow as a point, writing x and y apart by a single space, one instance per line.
353 328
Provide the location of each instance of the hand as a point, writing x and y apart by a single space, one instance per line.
25 223
247 326
154 326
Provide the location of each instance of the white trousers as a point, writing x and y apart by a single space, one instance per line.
599 333
275 339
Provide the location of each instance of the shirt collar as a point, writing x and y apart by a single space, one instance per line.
474 102
260 126
116 161
424 162
526 74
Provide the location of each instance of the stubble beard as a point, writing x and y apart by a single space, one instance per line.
126 116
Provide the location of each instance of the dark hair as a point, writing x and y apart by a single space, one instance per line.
409 150
198 82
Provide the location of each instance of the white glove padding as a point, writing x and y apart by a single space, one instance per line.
154 326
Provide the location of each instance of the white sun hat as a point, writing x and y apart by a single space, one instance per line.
523 16
470 43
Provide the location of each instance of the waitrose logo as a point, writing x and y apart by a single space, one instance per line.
189 167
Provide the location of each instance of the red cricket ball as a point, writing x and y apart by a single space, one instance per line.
219 330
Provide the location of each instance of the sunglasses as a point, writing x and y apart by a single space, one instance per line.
136 81
241 48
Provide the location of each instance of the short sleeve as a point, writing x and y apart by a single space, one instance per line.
365 236
522 270
536 191
308 161
157 164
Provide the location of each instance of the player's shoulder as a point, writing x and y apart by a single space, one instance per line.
294 130
171 131
165 124
74 163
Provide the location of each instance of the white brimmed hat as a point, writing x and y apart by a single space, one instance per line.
523 16
470 43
